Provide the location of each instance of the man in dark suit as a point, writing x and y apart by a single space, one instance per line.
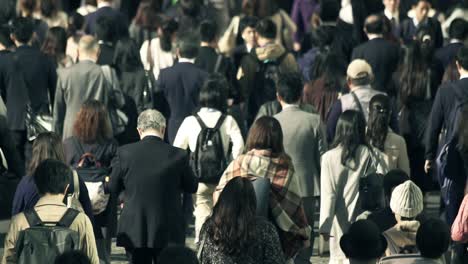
153 175
37 72
382 55
120 22
392 13
181 84
106 36
458 31
247 30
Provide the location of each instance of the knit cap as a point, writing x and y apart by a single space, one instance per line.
407 200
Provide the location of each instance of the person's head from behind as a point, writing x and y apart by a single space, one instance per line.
55 42
391 5
88 48
374 25
177 255
424 37
187 46
92 124
462 60
105 29
23 30
421 9
208 31
75 23
266 134
406 201
231 225
47 145
350 134
379 119
458 29
72 257
48 8
190 7
359 73
332 68
289 88
167 33
392 179
27 7
329 11
213 93
127 56
52 177
247 29
266 32
5 40
363 243
433 238
151 122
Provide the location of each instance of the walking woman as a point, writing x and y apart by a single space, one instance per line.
342 167
382 137
233 234
265 158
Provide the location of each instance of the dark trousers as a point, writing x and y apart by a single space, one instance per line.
22 145
143 255
304 255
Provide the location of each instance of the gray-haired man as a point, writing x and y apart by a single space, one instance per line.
153 175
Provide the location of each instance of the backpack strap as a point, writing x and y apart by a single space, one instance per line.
200 121
219 59
358 103
220 121
76 184
68 218
33 218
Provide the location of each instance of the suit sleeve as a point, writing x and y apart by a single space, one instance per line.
189 181
332 120
59 109
436 120
116 179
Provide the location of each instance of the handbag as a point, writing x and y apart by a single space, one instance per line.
73 198
37 123
371 186
118 118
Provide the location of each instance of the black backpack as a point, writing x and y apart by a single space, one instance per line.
208 162
42 242
267 76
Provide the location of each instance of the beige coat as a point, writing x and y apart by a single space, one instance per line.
339 195
397 155
50 209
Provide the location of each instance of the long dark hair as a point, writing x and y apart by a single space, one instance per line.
48 8
331 68
127 56
47 145
350 134
414 70
379 119
266 133
168 28
232 225
55 43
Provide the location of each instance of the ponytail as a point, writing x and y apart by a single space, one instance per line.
168 29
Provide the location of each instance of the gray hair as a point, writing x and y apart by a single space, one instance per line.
151 119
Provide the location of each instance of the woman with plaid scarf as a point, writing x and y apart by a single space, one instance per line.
265 157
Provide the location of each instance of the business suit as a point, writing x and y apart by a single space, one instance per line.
106 53
382 56
120 21
180 85
408 30
447 54
77 84
153 175
304 141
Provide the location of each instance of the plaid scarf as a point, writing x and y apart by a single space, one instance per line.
285 199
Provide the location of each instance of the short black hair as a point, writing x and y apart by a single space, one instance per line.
462 57
213 94
266 28
433 238
105 29
290 87
458 29
376 26
247 21
23 29
52 176
329 10
72 257
188 46
392 179
177 255
208 31
5 39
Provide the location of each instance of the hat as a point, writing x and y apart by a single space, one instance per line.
407 200
363 241
359 69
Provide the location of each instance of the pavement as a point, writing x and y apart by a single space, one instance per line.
118 253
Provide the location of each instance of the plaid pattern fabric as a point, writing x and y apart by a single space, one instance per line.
285 198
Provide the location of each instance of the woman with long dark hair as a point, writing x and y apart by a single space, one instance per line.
50 13
233 234
265 157
380 136
418 79
55 46
92 134
342 167
146 22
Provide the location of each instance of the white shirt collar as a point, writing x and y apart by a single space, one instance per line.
391 15
248 47
186 60
103 4
463 76
289 105
374 36
415 21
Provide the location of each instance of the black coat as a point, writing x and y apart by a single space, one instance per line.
408 30
106 54
153 175
120 21
447 54
180 85
39 74
382 56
